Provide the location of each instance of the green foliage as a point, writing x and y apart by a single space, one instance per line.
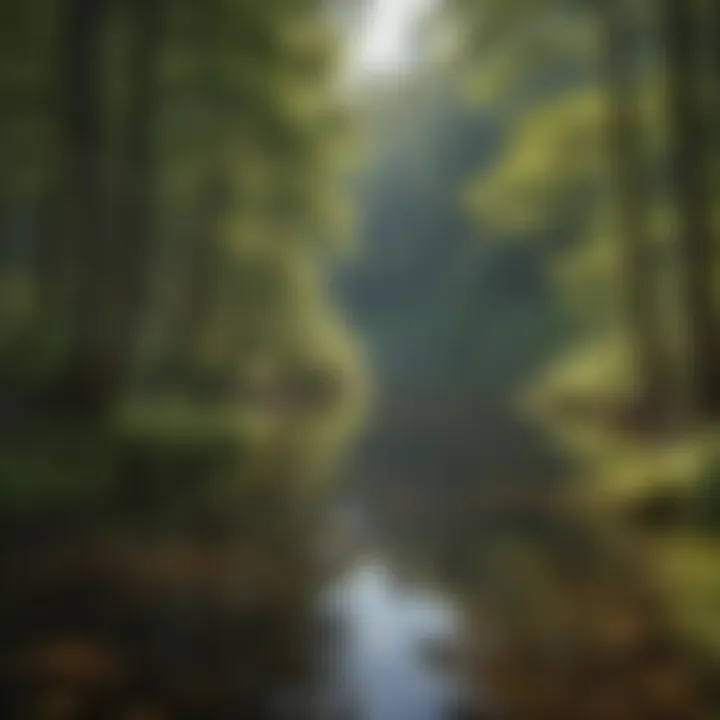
170 197
690 566
605 172
54 466
552 151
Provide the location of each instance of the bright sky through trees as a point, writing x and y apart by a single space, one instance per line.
382 44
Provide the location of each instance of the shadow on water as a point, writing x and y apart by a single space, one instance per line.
174 626
434 612
416 593
517 601
551 622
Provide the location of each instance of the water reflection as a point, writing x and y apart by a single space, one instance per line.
381 663
113 623
560 617
527 614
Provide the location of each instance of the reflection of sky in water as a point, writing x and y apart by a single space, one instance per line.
380 663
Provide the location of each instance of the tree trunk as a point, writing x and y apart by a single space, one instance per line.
204 263
82 236
641 292
690 139
135 246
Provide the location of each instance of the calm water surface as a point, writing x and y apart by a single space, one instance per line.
380 665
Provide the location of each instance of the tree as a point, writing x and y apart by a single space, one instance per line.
639 282
176 168
689 116
84 205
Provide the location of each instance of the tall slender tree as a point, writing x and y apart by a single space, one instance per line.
699 251
136 249
84 232
630 180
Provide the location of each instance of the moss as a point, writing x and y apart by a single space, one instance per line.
689 564
665 486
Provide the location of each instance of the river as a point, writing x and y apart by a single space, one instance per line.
379 669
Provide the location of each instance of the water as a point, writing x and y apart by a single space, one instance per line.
516 617
380 667
425 616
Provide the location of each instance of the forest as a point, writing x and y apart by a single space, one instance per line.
473 296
